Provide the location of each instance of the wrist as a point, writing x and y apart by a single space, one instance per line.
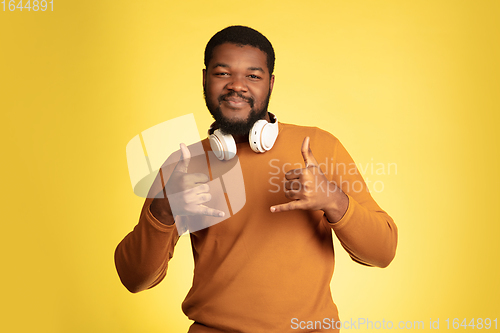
160 209
336 207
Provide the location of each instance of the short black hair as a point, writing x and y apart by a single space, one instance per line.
241 35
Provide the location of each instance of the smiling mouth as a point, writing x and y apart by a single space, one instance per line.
236 101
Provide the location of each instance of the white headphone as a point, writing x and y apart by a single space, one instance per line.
262 137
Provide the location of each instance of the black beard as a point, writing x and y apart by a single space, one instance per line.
236 127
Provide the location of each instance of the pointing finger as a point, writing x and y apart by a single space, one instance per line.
293 174
286 207
182 165
204 210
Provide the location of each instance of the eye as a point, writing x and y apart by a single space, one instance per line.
221 74
254 77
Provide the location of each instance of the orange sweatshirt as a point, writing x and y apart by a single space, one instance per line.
259 271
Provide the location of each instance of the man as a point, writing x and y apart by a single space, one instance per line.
268 267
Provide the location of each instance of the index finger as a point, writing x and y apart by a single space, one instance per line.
207 211
293 174
293 205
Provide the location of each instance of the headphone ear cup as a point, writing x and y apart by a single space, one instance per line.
269 135
223 145
254 137
263 136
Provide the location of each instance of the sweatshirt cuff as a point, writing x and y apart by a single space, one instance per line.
157 224
347 215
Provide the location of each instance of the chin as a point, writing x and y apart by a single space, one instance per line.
235 121
241 114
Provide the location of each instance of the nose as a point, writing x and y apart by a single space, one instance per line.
237 83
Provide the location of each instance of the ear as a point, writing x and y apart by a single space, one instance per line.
271 83
204 76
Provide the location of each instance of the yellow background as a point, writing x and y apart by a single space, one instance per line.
414 83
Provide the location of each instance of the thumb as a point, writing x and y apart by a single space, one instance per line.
307 153
182 165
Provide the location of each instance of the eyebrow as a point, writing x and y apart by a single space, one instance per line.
257 69
219 64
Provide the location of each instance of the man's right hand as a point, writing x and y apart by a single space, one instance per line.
186 192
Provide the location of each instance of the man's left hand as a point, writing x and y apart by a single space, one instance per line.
310 189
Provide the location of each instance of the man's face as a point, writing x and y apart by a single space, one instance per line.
237 86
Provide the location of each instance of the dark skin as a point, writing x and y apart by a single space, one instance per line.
301 187
240 70
243 70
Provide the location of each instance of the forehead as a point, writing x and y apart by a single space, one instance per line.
238 55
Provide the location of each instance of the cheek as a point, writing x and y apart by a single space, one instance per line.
217 89
212 92
262 96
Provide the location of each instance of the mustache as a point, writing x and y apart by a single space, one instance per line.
230 94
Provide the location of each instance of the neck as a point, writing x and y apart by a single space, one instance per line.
244 137
240 138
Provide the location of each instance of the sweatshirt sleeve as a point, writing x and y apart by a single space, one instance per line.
367 232
142 257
